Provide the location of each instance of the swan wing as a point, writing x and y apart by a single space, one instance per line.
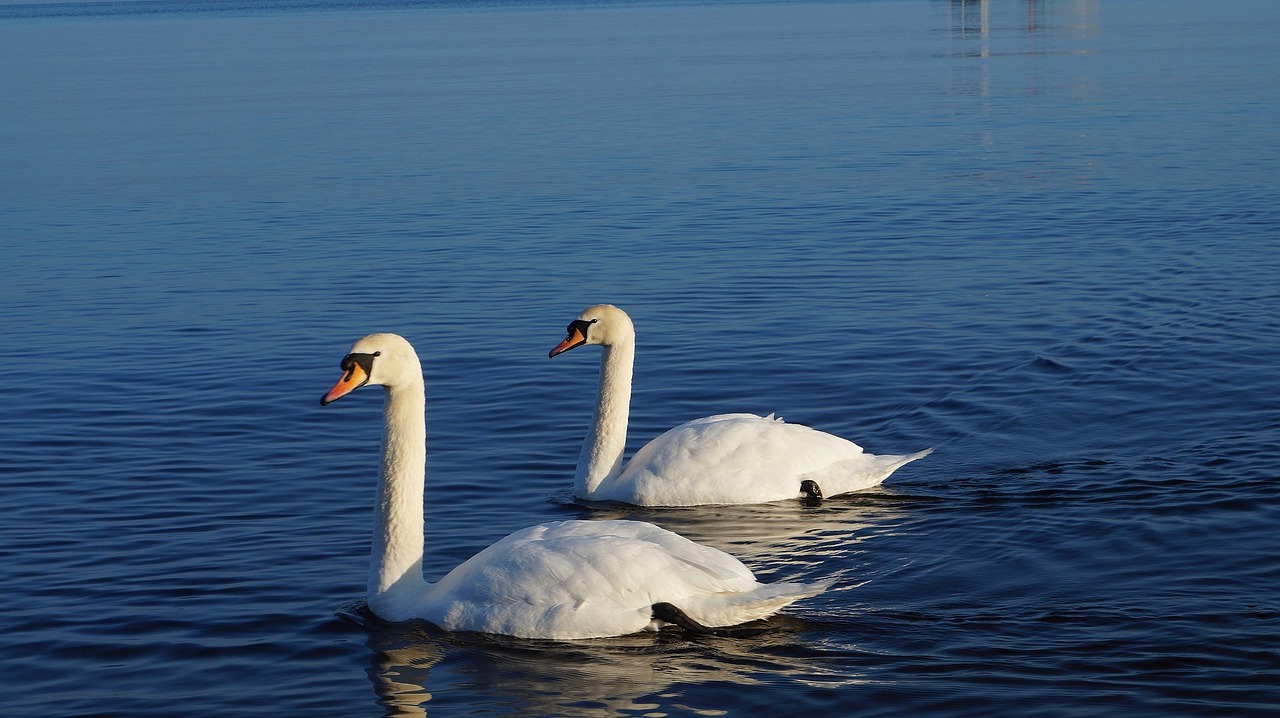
586 579
735 459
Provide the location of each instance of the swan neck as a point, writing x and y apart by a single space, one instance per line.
395 569
601 458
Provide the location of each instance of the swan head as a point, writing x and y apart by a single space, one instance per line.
602 324
379 359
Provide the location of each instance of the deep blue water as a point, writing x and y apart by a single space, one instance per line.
1042 237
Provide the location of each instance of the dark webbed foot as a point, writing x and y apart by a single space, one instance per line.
673 615
810 489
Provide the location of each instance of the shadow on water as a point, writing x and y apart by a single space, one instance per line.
412 664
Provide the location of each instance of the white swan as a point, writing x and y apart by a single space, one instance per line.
723 459
562 580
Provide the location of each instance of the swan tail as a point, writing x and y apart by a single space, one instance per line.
730 609
861 472
891 463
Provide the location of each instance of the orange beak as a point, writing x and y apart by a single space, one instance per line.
575 339
352 380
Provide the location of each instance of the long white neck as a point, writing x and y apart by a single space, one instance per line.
601 457
395 567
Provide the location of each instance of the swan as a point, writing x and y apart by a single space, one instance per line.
722 459
563 580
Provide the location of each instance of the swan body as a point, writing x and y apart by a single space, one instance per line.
722 459
563 580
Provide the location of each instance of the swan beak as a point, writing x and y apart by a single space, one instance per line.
575 339
355 378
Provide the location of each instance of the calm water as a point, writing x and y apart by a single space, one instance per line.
1042 237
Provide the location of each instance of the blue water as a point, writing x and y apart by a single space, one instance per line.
1042 237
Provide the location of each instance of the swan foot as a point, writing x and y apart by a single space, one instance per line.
811 490
670 613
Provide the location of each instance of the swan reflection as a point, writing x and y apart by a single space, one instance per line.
785 537
416 668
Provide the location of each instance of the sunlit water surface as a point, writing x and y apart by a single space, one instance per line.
1041 237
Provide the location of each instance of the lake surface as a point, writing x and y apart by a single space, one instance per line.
1041 237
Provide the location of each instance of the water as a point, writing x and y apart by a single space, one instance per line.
1038 236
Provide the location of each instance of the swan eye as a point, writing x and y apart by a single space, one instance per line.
364 361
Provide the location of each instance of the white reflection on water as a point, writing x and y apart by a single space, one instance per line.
584 678
788 538
970 25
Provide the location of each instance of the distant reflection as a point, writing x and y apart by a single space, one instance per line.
970 20
617 676
973 30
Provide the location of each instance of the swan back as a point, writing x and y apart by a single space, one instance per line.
728 458
744 459
586 579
